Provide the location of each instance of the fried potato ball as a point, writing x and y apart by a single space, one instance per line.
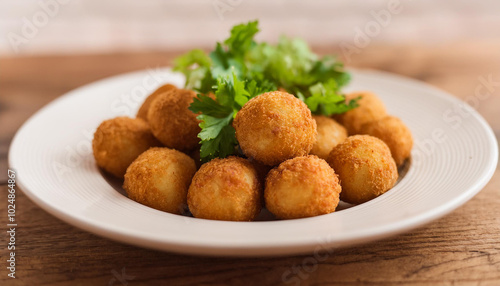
365 167
394 133
302 187
118 141
143 110
275 126
226 189
370 108
330 134
172 122
160 178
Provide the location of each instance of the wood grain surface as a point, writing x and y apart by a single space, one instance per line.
462 248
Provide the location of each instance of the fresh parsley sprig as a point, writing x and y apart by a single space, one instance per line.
325 99
240 68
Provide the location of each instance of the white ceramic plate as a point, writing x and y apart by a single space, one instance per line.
455 155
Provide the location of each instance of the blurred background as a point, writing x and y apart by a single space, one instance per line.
74 26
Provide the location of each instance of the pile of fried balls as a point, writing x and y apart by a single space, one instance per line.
295 163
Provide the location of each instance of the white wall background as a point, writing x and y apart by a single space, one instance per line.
77 26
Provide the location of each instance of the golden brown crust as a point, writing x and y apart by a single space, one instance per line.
394 133
302 187
172 122
330 134
365 167
118 141
262 170
370 108
160 178
275 126
226 189
143 110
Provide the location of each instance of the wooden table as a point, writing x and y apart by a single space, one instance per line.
462 248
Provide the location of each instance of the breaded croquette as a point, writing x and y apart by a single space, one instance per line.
394 133
172 122
330 134
226 189
160 178
365 167
370 108
302 187
275 126
143 110
118 141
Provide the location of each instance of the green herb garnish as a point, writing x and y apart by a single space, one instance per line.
240 68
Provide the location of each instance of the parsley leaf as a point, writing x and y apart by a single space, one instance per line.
196 56
195 65
211 126
326 100
206 105
293 66
217 134
241 38
221 146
